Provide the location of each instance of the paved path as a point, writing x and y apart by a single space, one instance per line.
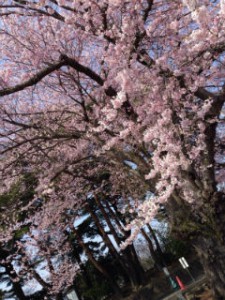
178 294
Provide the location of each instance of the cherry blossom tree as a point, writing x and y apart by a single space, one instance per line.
134 89
22 258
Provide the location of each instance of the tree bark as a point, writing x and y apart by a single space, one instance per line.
108 221
16 284
60 296
115 216
157 259
97 265
125 268
210 246
135 271
136 267
85 274
212 256
152 233
205 228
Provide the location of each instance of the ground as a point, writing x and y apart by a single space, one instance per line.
159 287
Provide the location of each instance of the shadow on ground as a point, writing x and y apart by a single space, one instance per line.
160 287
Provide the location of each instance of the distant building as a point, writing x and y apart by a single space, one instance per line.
71 295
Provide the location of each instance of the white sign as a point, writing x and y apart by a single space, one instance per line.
71 295
166 272
183 262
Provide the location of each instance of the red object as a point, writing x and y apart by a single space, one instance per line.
181 285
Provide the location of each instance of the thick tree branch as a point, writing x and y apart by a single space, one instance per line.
64 61
33 80
203 94
82 69
148 9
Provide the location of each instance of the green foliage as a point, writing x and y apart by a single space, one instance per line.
7 199
22 191
97 286
175 248
12 202
19 233
30 182
19 194
98 290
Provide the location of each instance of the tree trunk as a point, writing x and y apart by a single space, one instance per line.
60 296
104 235
115 216
85 274
45 285
136 267
97 265
211 249
153 235
205 227
157 259
212 256
16 284
108 221
124 264
134 270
